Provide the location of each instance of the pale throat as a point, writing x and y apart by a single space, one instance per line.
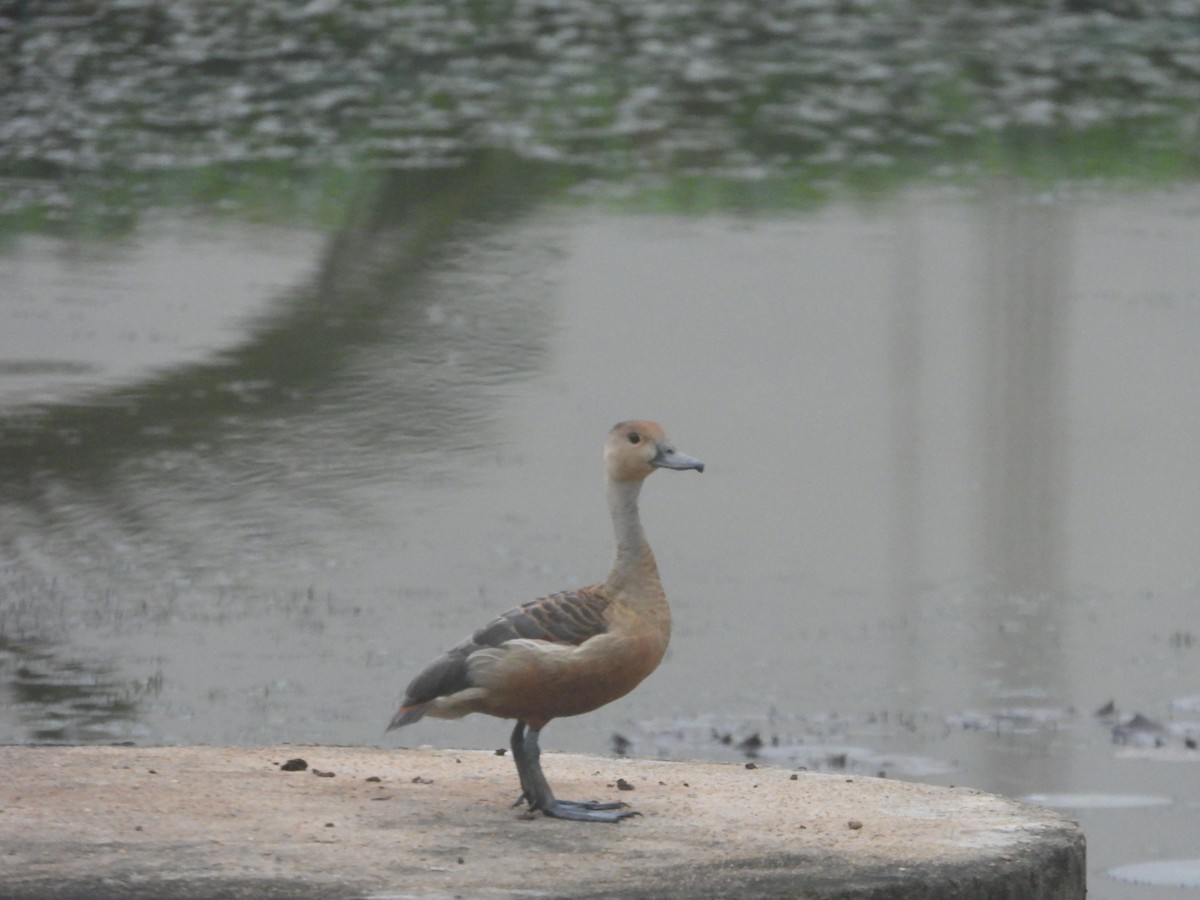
634 559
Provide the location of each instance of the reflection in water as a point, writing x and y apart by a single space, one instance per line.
85 317
906 369
874 578
1026 256
1026 249
367 293
64 701
377 371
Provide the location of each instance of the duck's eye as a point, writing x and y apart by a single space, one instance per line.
634 437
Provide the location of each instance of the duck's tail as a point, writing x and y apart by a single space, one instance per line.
406 715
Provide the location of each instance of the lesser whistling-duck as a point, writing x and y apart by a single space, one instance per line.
570 652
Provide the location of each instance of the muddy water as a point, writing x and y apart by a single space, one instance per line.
951 506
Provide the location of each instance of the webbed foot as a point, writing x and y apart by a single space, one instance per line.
588 811
537 794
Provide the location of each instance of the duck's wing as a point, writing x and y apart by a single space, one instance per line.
568 617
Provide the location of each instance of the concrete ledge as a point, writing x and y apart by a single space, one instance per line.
208 822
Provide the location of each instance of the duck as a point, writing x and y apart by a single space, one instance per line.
570 652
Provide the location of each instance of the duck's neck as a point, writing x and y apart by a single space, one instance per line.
633 571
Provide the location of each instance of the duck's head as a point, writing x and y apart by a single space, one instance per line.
636 448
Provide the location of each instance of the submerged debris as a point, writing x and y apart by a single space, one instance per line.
817 742
722 737
751 745
1139 731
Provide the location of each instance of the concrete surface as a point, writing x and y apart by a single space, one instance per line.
207 822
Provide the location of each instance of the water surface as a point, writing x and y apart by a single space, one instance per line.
950 509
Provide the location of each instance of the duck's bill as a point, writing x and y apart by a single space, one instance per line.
670 458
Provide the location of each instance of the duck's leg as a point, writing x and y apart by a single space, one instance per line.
536 790
517 742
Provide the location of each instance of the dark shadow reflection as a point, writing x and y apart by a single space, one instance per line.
368 284
59 700
347 374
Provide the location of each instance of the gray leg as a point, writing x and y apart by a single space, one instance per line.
536 790
517 742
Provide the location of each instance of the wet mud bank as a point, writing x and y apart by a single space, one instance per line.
198 822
